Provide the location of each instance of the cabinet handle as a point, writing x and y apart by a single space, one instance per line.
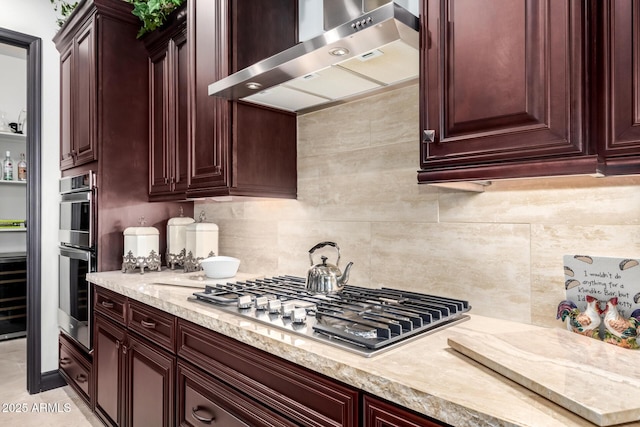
107 304
124 349
117 344
428 135
166 180
81 378
148 325
65 361
206 420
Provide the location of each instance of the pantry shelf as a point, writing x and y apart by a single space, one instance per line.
13 137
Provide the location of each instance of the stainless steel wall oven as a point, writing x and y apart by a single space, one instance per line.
77 256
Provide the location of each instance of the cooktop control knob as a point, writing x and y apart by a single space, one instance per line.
299 315
244 301
287 309
261 303
274 306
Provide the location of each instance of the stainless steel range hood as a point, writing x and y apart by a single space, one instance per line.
374 48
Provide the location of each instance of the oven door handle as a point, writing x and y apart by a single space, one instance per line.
75 253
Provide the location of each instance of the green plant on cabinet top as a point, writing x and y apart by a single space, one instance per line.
153 13
64 8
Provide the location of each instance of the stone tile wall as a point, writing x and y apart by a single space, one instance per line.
501 249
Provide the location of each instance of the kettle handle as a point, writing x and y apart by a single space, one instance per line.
322 245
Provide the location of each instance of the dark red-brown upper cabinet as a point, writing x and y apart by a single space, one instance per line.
502 89
235 148
168 109
617 106
77 98
104 115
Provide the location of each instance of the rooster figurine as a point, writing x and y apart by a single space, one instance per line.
618 330
584 323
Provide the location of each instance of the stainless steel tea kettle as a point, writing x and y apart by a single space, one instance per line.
326 278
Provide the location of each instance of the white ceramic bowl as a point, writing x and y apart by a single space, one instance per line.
220 267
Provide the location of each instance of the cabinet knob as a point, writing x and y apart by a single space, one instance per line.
428 135
208 419
81 378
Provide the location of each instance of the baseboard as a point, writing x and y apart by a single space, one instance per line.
50 380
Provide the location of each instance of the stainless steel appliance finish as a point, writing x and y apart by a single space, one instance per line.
77 211
77 256
367 51
326 278
74 300
361 320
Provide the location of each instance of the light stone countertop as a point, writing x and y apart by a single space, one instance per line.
425 375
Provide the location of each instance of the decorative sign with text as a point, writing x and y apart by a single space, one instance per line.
603 278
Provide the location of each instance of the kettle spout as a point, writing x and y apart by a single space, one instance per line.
344 277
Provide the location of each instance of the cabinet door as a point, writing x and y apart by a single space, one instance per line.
378 413
78 100
169 121
84 122
159 86
263 140
210 116
66 118
180 152
237 149
150 383
618 108
502 82
109 340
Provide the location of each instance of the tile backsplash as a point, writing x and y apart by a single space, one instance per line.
501 249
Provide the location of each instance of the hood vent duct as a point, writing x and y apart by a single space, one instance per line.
376 50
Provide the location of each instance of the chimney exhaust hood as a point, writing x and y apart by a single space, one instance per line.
372 46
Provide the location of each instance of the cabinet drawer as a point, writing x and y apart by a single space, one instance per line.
153 324
202 401
75 368
110 304
297 393
381 413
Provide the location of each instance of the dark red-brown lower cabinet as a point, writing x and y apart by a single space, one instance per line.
108 370
134 378
212 366
203 401
75 367
378 413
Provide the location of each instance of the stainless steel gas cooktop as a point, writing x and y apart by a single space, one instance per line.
362 320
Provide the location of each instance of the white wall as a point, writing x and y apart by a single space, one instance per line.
13 80
37 18
13 99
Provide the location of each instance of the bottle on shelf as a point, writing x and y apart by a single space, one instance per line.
7 167
22 168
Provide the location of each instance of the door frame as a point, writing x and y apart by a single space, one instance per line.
36 382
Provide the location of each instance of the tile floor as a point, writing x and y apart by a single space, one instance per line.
55 408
